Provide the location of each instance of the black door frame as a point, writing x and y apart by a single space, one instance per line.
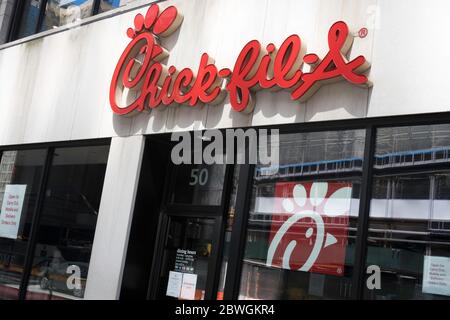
168 210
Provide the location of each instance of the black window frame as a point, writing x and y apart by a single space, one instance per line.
245 183
37 213
18 17
216 212
244 193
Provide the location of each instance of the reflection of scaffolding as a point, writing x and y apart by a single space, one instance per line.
389 160
411 158
310 168
439 226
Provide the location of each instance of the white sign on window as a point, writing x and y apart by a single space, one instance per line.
436 275
188 286
174 284
11 210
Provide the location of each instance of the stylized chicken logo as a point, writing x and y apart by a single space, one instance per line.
311 234
143 50
161 25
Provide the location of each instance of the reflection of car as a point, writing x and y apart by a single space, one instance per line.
55 275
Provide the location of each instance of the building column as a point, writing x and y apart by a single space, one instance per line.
115 218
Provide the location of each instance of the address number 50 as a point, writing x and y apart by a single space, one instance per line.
199 176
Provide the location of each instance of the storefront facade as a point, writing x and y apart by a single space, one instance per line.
90 196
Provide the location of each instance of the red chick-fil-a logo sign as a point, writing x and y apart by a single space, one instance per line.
310 225
141 80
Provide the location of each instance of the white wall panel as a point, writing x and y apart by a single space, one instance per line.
110 124
337 101
98 59
340 100
238 21
56 87
192 39
13 66
410 61
283 20
362 14
50 110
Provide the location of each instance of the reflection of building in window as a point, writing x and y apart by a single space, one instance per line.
408 146
283 230
106 5
61 12
409 209
317 153
30 18
111 4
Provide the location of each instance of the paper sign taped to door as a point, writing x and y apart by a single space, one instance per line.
188 286
174 284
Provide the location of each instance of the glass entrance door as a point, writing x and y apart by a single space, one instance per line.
186 258
191 233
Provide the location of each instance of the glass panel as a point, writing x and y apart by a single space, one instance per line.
29 19
198 184
20 175
106 5
409 146
409 233
228 230
186 257
67 226
303 219
61 12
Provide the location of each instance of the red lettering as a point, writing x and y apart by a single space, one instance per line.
334 64
265 70
140 71
181 87
152 85
207 84
288 62
243 77
117 89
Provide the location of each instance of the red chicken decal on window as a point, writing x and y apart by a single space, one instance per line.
310 232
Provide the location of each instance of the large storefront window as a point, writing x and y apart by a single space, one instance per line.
106 5
67 223
48 215
20 176
40 15
292 230
58 13
303 219
29 19
409 231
